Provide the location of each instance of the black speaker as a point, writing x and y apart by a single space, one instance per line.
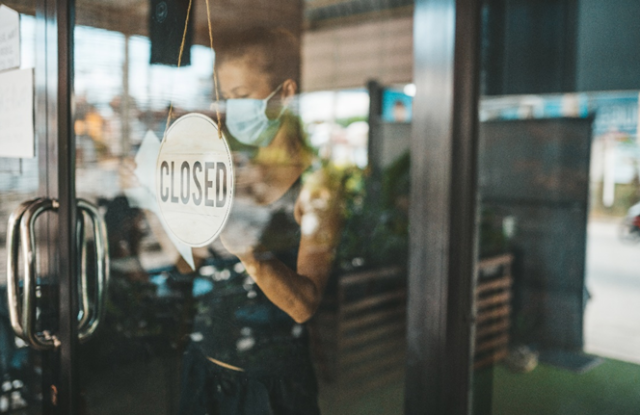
166 28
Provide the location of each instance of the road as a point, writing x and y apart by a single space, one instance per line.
612 317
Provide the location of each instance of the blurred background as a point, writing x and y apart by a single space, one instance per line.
558 280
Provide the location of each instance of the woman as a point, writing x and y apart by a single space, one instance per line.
249 350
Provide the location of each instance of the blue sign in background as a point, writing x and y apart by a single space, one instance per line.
614 111
394 103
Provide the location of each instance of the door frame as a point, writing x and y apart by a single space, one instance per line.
443 207
55 177
68 402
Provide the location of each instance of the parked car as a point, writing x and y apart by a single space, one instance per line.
630 226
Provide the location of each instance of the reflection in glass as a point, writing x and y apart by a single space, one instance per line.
300 304
21 367
559 179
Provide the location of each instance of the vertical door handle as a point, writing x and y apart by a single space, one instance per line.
102 271
21 234
13 250
45 340
83 286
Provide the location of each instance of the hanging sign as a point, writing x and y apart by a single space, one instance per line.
9 38
194 180
143 196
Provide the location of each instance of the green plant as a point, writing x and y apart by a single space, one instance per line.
375 227
492 239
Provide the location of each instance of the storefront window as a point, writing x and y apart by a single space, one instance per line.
298 304
559 185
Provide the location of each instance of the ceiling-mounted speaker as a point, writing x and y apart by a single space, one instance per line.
167 19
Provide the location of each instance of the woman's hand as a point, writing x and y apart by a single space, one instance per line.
297 292
127 174
241 235
237 246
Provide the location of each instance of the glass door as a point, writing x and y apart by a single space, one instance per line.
29 258
297 304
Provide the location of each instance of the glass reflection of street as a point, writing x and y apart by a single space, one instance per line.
612 327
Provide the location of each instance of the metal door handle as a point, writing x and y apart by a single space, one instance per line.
21 233
83 286
13 238
90 319
45 340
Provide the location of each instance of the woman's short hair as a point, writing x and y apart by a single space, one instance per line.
279 50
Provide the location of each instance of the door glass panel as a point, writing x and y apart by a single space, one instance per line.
299 305
557 295
22 367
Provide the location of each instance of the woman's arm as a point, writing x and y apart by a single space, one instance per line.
298 294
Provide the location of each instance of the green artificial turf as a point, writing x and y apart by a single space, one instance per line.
612 388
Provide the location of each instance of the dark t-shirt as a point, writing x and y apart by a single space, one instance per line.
235 322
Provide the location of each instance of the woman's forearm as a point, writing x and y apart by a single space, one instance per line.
296 295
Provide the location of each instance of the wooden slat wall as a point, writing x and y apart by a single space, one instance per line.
349 56
359 334
493 305
344 55
131 17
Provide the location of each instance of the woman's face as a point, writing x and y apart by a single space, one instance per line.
243 77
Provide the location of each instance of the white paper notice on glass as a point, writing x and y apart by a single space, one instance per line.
9 38
16 114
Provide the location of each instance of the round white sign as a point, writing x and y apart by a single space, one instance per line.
194 180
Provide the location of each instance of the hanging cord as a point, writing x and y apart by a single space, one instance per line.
184 37
215 76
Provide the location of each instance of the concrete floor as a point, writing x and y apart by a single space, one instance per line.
612 317
387 399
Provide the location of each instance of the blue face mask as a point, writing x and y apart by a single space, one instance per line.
247 120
